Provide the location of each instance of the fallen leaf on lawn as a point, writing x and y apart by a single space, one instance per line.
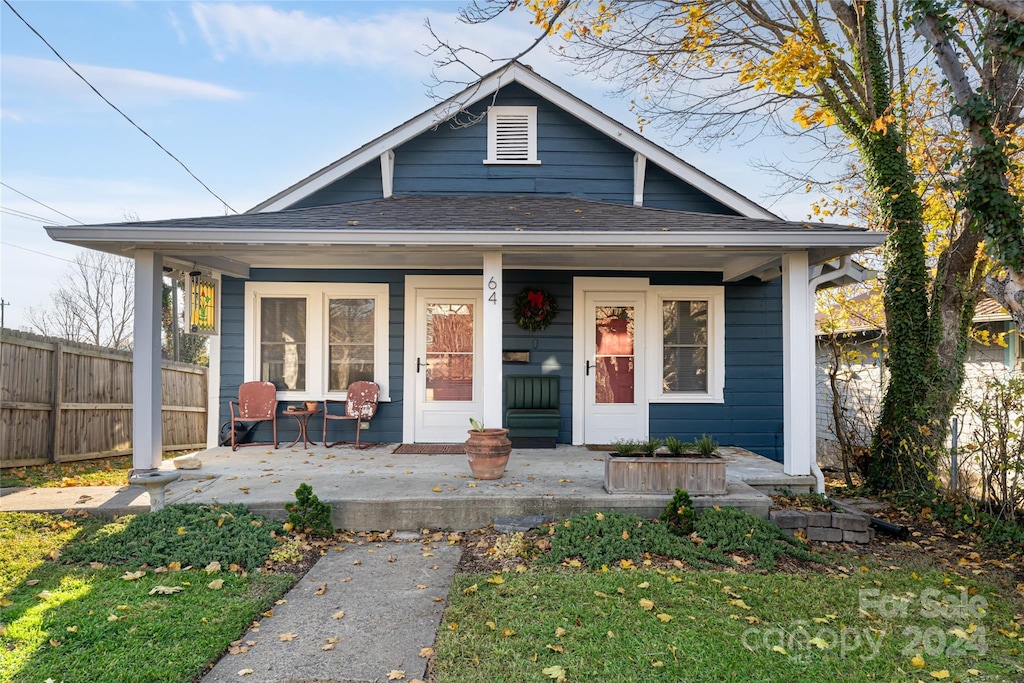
664 618
470 589
338 615
453 626
645 584
171 566
55 643
599 515
31 582
321 590
959 633
575 564
917 660
97 565
739 603
496 580
658 664
751 619
974 672
245 672
44 595
819 642
396 675
131 576
559 632
269 613
181 531
114 617
427 652
646 604
610 634
166 590
625 535
491 625
212 568
507 632
6 602
600 594
556 672
72 629
820 620
942 673
216 584
781 650
555 648
287 637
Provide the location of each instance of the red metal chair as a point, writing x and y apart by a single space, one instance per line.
257 402
360 405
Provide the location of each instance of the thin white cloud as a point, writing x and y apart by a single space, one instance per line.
8 115
123 86
179 30
389 40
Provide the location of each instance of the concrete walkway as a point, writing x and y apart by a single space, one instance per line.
356 616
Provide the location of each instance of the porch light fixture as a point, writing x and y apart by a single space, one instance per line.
202 294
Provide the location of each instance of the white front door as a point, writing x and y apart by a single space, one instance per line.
447 343
615 396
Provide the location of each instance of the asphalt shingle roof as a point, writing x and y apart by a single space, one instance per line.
487 214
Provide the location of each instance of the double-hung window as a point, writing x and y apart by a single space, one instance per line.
314 339
687 333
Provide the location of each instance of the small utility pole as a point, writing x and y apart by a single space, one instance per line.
3 306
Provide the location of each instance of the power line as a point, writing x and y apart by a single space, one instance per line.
59 258
40 203
114 107
22 214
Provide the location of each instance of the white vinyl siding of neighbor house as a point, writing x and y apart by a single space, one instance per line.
313 339
511 135
687 341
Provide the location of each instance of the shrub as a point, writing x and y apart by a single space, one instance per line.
705 445
729 530
187 533
679 514
650 446
625 447
605 538
677 447
308 514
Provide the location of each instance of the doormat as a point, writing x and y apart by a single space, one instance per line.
600 447
430 449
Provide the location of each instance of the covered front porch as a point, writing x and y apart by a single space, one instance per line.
376 489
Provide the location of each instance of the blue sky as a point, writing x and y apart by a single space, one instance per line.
252 96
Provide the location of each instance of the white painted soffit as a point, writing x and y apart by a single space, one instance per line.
489 84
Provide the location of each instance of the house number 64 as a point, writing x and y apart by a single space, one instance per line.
492 285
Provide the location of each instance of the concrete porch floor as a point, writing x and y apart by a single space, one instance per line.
375 489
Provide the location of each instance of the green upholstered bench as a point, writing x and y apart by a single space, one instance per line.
531 410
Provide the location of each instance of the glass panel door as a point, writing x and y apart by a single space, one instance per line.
449 356
615 329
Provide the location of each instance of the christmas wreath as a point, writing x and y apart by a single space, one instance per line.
534 308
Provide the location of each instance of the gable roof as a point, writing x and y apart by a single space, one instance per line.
487 86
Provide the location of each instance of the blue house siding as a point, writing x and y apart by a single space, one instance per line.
751 416
576 160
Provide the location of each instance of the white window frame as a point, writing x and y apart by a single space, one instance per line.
715 297
317 296
492 134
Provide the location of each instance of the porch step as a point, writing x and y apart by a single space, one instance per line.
457 513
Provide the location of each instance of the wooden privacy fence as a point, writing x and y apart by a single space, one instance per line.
62 401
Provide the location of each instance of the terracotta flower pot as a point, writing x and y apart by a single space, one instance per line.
488 452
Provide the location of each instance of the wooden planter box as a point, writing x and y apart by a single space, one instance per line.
664 474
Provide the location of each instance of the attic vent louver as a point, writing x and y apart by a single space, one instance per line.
512 135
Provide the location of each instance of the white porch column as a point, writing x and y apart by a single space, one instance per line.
213 376
798 365
147 423
493 386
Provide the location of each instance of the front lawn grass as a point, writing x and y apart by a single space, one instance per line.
657 625
87 623
111 471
